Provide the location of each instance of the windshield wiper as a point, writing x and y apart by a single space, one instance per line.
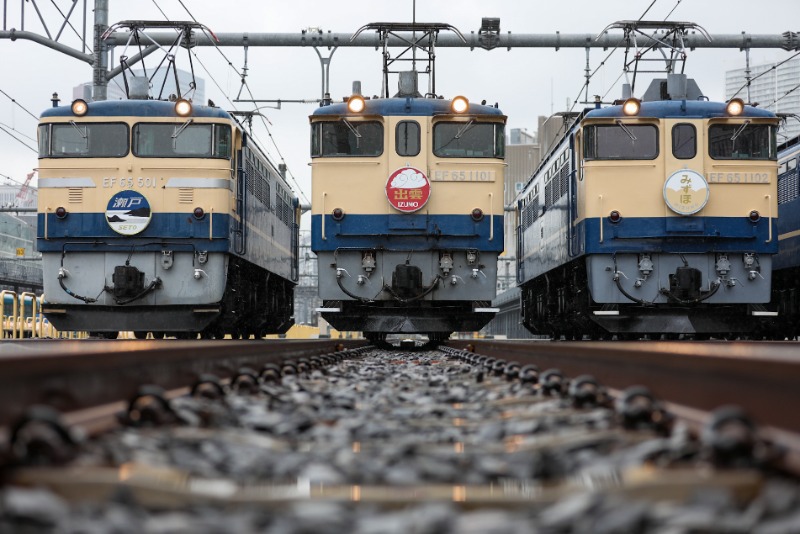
81 132
626 130
179 129
352 129
461 131
739 130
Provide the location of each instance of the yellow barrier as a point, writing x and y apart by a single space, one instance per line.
9 322
22 317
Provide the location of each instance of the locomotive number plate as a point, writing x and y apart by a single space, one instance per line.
463 176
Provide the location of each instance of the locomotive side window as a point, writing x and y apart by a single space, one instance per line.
468 140
186 140
83 140
742 141
621 141
346 138
684 141
407 138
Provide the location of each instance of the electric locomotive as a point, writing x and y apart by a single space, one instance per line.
652 217
786 273
407 216
162 217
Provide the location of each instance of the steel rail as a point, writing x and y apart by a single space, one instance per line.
75 375
762 378
692 379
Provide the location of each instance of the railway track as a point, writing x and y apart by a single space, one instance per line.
293 435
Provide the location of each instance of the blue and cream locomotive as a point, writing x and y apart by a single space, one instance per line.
407 212
652 217
162 217
786 274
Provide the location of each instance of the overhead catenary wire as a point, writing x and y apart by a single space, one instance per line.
18 132
23 108
247 86
602 64
773 67
20 141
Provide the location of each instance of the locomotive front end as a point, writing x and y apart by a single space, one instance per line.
407 214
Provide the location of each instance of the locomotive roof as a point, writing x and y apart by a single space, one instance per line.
135 108
424 107
665 109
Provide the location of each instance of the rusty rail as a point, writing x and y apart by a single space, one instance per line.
693 378
74 375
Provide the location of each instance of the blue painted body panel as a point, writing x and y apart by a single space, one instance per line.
163 227
420 107
399 232
675 109
136 108
789 211
684 234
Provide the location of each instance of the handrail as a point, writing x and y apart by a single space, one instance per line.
600 197
324 194
769 218
491 216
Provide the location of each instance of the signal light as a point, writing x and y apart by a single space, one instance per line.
199 213
735 106
460 104
79 107
61 212
614 216
477 214
337 214
183 107
631 106
754 216
356 104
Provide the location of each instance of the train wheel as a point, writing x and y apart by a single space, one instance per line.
375 337
138 334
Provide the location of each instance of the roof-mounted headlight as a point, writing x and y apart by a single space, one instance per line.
631 106
79 107
735 106
460 104
183 107
356 104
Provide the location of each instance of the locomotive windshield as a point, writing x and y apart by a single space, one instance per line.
83 140
742 141
186 140
346 138
468 140
621 141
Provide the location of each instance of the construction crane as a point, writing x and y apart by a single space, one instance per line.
22 194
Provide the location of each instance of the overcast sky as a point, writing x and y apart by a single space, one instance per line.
525 82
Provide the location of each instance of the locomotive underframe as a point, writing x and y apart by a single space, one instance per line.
222 295
564 302
407 291
437 318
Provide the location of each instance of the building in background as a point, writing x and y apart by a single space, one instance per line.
20 263
522 157
776 88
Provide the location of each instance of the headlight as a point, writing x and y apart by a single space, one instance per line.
735 106
79 107
631 106
356 104
183 107
460 104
